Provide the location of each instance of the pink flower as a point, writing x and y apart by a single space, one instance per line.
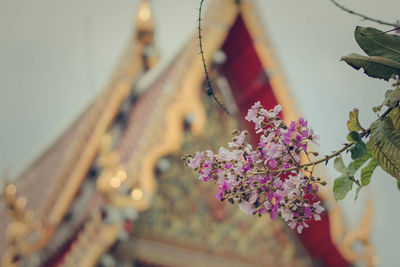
251 115
238 142
300 228
292 126
277 109
302 122
219 195
196 161
272 163
210 154
318 207
247 208
307 212
257 179
292 224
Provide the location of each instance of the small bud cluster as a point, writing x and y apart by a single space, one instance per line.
268 179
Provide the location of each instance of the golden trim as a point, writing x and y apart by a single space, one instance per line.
87 155
93 242
83 151
23 223
185 100
345 238
112 97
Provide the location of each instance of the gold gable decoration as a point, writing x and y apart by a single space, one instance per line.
76 159
19 230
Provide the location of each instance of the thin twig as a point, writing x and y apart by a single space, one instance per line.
210 90
363 16
326 157
371 34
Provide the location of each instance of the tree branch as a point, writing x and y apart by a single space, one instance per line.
326 157
363 16
210 90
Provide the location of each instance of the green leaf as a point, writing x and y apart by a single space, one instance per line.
353 124
342 186
377 109
391 97
367 171
396 118
356 164
357 192
374 43
385 146
398 184
338 164
354 137
375 67
358 150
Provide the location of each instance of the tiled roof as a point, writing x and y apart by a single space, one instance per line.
47 177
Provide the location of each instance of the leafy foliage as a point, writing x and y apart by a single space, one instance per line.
391 99
374 43
383 146
341 187
396 118
375 67
367 171
356 164
353 124
383 52
344 183
359 149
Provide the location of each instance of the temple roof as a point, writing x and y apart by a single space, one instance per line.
166 97
50 183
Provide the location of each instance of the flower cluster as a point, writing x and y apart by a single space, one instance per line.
269 179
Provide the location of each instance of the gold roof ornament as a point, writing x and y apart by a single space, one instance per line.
145 33
144 23
22 232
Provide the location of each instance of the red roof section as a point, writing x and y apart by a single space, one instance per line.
249 82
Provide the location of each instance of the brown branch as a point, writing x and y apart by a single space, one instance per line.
210 90
363 16
371 34
326 157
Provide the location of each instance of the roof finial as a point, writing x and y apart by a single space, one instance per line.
144 22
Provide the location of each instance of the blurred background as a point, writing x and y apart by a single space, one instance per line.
56 56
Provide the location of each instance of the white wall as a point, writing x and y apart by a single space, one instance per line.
55 56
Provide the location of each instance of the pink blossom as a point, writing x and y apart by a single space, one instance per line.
302 122
318 207
292 224
251 177
300 228
277 109
196 161
247 207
